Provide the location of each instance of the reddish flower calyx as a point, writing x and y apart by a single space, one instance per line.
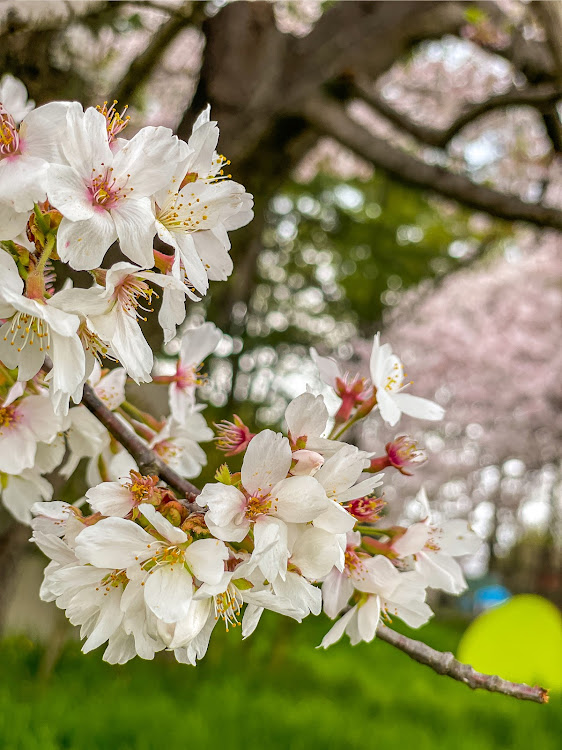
352 392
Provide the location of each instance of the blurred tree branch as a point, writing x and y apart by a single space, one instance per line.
541 96
330 118
188 14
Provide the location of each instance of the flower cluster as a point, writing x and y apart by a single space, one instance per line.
71 186
299 529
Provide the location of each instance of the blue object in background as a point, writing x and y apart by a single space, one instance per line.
490 596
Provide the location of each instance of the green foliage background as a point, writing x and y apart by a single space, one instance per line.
274 690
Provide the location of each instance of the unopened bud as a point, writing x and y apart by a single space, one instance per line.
306 463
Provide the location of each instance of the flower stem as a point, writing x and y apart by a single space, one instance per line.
46 254
368 530
141 416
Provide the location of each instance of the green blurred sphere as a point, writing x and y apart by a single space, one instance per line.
520 641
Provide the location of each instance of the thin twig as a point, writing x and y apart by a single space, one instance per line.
443 662
147 460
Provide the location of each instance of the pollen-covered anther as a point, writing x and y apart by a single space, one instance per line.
258 505
129 293
27 330
142 488
115 121
8 415
115 579
93 343
9 135
228 605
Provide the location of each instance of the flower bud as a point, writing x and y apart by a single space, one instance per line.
306 463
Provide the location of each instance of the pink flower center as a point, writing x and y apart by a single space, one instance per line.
8 416
257 505
104 190
9 136
186 377
352 560
128 293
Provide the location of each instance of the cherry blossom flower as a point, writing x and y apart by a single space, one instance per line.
24 423
104 196
28 151
196 345
387 375
197 208
435 547
177 443
35 329
266 494
382 590
13 96
20 493
169 565
338 476
113 313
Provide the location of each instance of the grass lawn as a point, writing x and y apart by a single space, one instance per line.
273 691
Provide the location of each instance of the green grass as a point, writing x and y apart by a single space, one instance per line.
272 691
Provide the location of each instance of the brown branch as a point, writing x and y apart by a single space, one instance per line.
330 117
147 460
541 97
443 662
142 66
